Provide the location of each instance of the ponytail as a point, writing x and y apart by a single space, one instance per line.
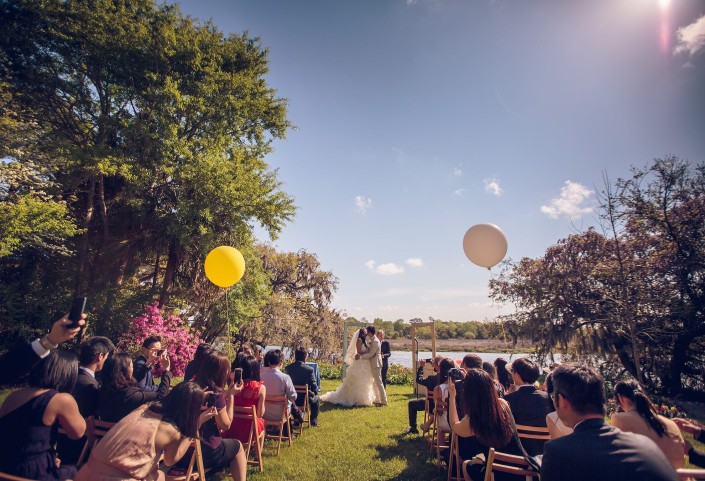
632 391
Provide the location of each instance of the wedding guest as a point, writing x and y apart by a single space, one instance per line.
641 417
419 405
278 384
301 375
386 352
253 394
131 449
695 456
488 421
16 364
258 354
219 453
120 394
440 395
142 370
29 416
596 450
470 361
489 368
529 404
505 379
195 363
556 428
93 354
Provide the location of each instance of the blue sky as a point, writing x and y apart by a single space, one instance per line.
417 119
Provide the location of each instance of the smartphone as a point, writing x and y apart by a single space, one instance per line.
237 375
161 352
77 306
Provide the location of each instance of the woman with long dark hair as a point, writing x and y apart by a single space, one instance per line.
440 394
120 394
503 376
132 448
195 363
218 453
488 422
640 416
29 418
253 394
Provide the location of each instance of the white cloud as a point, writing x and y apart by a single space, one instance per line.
457 172
492 186
370 264
389 269
362 203
392 292
691 38
459 192
570 201
414 262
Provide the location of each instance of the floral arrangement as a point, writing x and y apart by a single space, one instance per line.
177 337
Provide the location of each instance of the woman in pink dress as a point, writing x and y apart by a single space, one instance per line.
253 394
131 449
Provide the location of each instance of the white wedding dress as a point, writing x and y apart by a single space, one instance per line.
357 388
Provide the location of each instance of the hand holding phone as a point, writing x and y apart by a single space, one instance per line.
237 375
78 305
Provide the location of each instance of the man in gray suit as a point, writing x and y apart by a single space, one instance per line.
375 357
596 450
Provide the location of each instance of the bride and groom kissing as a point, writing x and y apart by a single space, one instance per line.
362 384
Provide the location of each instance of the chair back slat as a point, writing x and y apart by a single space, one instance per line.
691 474
521 468
533 432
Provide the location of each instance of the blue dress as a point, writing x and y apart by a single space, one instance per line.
26 445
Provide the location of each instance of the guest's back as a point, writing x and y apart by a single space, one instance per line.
671 443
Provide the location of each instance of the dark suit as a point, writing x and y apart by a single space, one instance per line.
17 363
143 373
386 352
86 394
530 407
598 451
420 404
696 456
301 375
114 405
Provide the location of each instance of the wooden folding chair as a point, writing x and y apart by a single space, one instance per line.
274 403
95 430
439 410
249 415
454 459
495 463
197 460
427 412
540 433
686 474
11 477
305 409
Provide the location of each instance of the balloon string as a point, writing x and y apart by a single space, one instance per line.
227 320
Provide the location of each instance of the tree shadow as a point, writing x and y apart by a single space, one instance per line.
414 450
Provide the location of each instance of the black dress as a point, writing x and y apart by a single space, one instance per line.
26 443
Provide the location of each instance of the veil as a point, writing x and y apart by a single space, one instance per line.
352 348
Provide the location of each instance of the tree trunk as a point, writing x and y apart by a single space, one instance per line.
169 272
83 243
673 383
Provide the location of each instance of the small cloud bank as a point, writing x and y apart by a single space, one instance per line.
459 192
691 39
389 269
570 202
457 172
362 204
492 186
414 262
370 264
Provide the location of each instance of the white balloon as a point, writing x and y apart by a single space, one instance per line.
485 245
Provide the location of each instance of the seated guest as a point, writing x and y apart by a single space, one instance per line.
219 453
429 383
278 384
16 364
470 361
503 375
93 354
695 456
29 416
195 363
120 394
556 428
596 450
641 417
301 375
253 394
142 370
440 395
132 448
489 368
488 421
529 404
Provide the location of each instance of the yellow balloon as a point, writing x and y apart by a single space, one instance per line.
224 266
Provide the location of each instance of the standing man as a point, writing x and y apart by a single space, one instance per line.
142 365
303 375
386 352
375 357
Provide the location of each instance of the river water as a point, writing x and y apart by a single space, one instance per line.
404 357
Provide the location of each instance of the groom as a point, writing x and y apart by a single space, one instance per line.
375 357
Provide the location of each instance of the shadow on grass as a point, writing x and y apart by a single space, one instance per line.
414 450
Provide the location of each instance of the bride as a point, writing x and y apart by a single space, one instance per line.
356 389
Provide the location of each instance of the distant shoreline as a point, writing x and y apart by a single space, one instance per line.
463 345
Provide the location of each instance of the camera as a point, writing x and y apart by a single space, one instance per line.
455 374
210 400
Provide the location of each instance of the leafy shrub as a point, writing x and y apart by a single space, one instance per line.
397 374
177 337
330 371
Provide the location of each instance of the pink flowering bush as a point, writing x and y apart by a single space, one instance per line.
177 337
